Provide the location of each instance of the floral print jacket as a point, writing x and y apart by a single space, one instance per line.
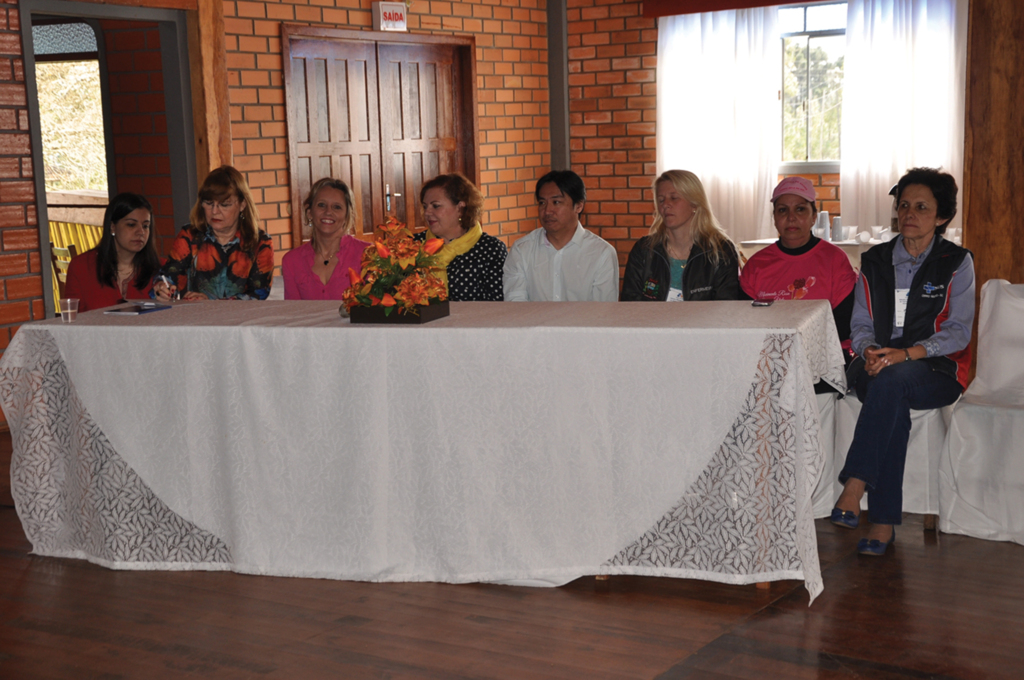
220 271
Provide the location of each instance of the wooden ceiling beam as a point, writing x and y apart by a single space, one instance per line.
664 8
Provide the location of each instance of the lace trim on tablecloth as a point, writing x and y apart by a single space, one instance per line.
738 520
91 504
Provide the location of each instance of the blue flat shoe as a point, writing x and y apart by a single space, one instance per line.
874 547
845 518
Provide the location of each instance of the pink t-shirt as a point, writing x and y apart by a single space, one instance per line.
822 273
300 283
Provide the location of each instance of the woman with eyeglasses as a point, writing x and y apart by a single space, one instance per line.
222 254
911 330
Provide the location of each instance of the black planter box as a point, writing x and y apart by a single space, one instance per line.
427 313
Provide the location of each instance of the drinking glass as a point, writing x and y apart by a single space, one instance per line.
68 309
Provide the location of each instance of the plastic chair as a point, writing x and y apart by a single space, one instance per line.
981 477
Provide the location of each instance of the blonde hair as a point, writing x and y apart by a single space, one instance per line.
350 210
221 183
705 230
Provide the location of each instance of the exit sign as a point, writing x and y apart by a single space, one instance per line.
390 16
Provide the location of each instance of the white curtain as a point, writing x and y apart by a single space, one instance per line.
719 75
903 99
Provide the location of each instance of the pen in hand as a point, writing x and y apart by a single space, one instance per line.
172 290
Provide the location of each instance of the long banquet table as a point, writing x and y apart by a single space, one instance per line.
523 443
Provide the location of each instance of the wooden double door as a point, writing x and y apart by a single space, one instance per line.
384 113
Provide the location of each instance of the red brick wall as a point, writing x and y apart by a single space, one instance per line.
139 124
511 39
21 281
612 61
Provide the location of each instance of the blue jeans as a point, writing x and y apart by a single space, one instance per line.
879 449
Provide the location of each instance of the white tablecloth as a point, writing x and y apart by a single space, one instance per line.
507 442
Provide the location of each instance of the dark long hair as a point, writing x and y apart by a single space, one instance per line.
145 263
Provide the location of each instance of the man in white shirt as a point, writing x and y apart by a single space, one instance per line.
562 261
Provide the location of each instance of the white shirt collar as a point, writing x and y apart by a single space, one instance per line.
577 236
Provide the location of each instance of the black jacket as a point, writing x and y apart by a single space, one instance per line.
927 304
647 274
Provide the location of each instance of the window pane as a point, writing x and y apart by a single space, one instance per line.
826 17
825 85
794 99
791 20
73 38
71 125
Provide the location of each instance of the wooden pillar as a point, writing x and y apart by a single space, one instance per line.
993 191
207 56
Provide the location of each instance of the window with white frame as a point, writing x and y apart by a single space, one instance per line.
813 51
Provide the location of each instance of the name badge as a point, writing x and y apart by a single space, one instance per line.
674 295
902 295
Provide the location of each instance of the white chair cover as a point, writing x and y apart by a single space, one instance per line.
276 288
982 469
828 489
921 473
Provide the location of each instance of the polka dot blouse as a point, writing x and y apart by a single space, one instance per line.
476 275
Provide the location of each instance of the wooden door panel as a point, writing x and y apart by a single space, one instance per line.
334 123
419 106
384 113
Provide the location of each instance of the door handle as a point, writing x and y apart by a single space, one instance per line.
387 198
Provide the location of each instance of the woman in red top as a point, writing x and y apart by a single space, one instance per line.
122 266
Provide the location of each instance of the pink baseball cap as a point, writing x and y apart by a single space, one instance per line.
797 186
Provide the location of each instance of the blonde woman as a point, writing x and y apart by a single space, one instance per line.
223 254
318 269
686 256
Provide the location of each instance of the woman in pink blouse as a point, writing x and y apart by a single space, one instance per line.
318 269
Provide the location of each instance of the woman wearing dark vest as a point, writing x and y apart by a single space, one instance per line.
911 329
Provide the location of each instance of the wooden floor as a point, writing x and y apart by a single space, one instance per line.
937 607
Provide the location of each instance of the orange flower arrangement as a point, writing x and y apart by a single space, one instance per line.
398 272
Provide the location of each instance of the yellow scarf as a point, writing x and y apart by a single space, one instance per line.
456 247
